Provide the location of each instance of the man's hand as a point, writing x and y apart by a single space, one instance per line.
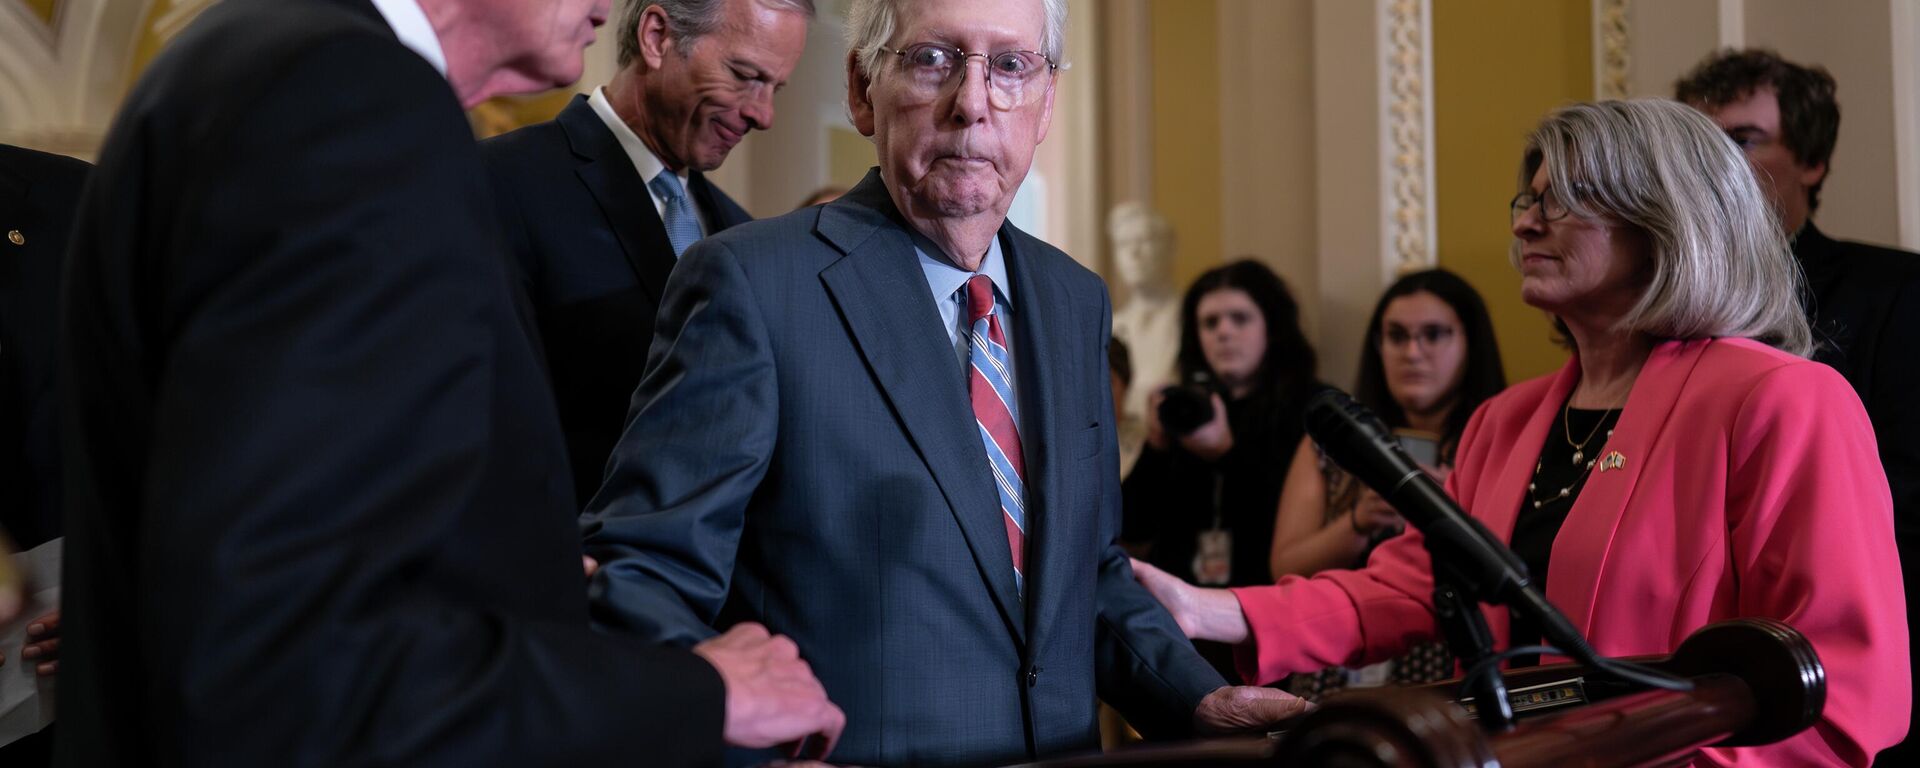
1236 708
772 696
43 644
1202 613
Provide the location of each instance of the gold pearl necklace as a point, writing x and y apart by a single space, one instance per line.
1578 457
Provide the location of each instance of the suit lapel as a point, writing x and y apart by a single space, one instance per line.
1043 329
608 174
882 295
1597 512
721 211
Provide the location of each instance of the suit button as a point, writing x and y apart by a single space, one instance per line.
1033 676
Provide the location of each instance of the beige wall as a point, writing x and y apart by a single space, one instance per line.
1484 107
1266 141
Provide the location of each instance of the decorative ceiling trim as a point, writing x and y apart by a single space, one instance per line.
1612 49
1406 72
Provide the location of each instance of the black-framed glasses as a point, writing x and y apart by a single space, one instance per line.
1551 207
1428 336
1010 74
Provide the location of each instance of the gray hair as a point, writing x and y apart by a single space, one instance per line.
687 20
870 23
1720 264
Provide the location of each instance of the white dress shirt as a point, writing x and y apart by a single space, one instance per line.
410 24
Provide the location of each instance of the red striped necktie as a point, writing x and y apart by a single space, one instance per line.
990 387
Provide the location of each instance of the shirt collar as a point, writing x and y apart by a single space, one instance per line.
644 161
946 278
410 24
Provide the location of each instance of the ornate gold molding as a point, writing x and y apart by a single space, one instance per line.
1614 42
1409 142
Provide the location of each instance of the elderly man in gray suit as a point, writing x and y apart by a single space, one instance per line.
883 427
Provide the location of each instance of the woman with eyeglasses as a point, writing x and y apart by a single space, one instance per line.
1687 465
1429 359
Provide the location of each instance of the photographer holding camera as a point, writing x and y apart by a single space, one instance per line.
1200 502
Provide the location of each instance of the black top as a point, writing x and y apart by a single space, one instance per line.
1557 481
1172 496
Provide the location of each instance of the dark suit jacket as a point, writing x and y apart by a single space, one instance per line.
1865 308
594 257
38 192
803 454
318 512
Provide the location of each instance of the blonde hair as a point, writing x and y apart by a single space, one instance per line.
1720 264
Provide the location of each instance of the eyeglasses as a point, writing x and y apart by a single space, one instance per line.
1551 208
1429 336
1009 73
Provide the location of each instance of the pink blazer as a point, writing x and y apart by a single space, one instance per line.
1751 487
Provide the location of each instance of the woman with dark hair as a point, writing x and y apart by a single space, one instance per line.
1429 360
1201 498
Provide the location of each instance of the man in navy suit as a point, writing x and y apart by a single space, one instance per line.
884 428
317 510
600 202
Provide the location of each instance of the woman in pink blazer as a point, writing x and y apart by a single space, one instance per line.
1687 465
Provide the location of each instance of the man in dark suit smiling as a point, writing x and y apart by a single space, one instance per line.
599 203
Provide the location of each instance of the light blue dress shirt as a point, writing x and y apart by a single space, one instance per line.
947 281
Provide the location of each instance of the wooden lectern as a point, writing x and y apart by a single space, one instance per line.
1756 681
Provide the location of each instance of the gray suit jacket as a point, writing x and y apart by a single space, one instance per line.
802 453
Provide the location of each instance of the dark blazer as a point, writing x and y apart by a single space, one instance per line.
803 454
38 192
317 508
594 256
1865 306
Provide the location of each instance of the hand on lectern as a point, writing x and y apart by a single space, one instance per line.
773 698
1237 708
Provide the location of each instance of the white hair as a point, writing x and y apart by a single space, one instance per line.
870 23
1720 265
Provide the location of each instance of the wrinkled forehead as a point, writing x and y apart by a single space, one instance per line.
974 25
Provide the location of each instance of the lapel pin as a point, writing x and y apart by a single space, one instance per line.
14 236
1613 460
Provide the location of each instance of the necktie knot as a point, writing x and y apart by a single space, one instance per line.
667 185
979 298
676 211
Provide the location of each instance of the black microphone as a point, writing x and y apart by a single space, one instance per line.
1355 439
1464 552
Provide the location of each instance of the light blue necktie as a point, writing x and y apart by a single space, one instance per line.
683 225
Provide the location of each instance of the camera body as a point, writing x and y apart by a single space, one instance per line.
1187 406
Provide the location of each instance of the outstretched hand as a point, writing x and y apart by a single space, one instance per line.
1202 613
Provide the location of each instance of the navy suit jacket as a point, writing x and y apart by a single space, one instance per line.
317 510
802 453
593 256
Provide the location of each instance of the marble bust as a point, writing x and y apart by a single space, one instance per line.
1147 317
